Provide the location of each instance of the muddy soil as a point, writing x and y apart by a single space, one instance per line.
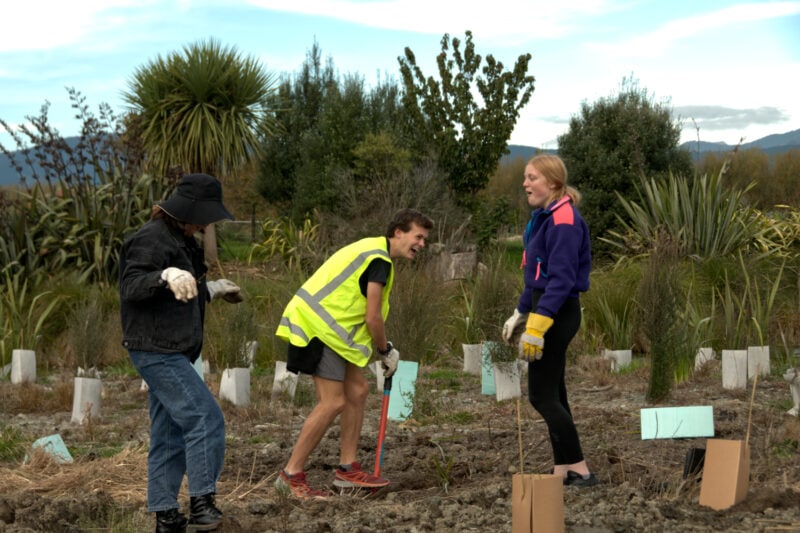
450 464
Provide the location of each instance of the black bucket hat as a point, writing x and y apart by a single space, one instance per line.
197 200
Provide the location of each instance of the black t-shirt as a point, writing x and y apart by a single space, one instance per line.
377 272
305 359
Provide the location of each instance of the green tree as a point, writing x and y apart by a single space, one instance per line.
202 109
331 131
466 136
611 145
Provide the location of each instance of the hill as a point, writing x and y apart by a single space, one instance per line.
771 144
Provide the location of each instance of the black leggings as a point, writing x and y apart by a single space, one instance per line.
546 388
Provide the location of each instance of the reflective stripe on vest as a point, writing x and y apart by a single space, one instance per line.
308 316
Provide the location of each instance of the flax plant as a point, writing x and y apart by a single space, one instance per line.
703 216
25 313
77 198
298 247
746 312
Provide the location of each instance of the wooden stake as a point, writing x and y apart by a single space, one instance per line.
750 413
519 438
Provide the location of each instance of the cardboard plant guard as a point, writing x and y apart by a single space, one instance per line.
537 500
726 472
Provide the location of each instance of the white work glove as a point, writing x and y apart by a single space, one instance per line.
389 360
225 289
181 283
512 324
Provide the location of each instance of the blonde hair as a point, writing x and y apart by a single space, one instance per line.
554 171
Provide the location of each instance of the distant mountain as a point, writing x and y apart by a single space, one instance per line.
771 144
9 175
518 151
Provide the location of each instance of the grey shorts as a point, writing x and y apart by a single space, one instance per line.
332 365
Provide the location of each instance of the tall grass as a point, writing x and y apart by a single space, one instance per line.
609 305
420 316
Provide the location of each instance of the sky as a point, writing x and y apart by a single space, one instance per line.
728 70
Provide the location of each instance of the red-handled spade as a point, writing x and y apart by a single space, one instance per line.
387 390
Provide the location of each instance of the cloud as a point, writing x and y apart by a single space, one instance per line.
44 24
660 40
509 20
714 118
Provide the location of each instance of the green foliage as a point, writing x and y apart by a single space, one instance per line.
229 329
298 247
466 136
24 313
747 307
490 218
443 469
486 299
616 325
367 208
86 329
659 301
202 109
12 444
612 144
378 157
704 217
500 352
470 331
609 306
334 136
419 305
85 196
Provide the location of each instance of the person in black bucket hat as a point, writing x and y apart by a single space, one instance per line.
197 200
163 294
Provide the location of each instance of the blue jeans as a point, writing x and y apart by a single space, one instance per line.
187 429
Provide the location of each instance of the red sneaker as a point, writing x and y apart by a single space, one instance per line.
356 477
297 486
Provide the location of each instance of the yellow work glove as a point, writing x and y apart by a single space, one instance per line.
532 341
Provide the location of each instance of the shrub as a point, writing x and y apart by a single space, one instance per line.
229 329
86 330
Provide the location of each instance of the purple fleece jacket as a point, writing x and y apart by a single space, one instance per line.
557 257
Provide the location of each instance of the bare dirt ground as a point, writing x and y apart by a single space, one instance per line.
450 464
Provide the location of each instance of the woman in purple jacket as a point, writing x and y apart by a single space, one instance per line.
556 262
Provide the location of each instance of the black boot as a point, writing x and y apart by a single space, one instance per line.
204 514
170 521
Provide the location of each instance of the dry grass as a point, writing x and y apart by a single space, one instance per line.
120 476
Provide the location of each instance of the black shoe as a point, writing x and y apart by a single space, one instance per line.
574 479
170 521
204 514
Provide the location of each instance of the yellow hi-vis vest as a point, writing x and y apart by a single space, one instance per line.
330 305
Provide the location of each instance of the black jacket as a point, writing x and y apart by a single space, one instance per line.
152 319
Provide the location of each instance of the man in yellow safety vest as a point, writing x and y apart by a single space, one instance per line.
331 325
